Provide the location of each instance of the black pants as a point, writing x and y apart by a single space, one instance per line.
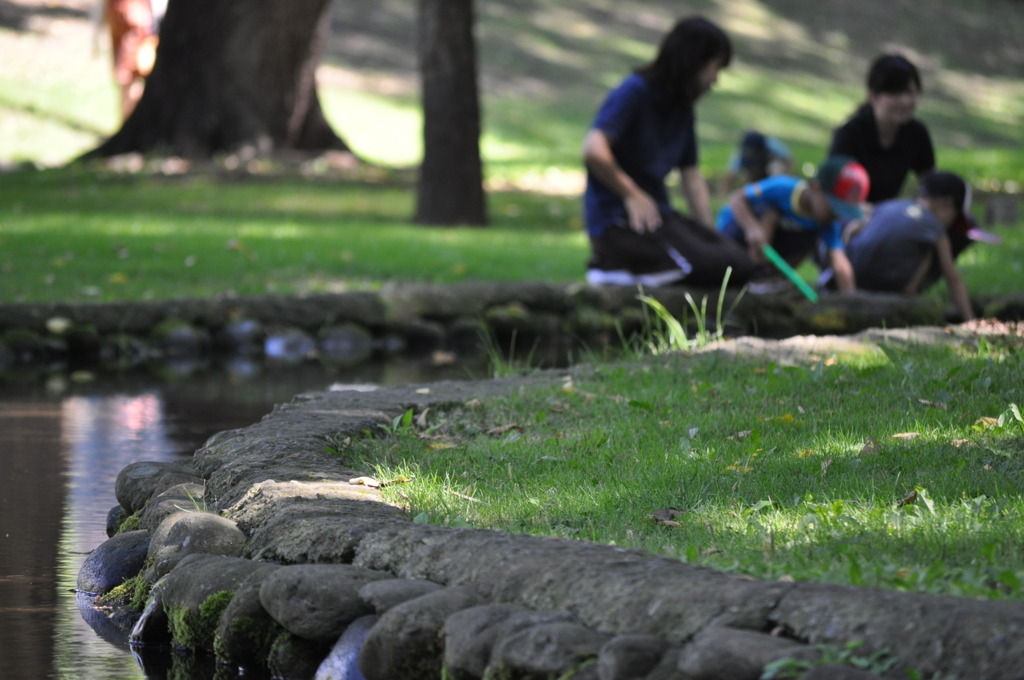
681 243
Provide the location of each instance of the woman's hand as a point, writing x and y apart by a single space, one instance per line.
641 209
644 216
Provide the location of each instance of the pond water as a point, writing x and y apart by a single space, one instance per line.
64 439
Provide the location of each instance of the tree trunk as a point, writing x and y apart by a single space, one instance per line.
232 76
450 189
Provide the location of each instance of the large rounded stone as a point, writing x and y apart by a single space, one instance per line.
246 631
186 497
719 652
115 516
117 559
288 345
294 658
629 656
345 345
406 642
383 595
469 636
317 601
243 338
181 340
138 482
189 533
547 650
191 599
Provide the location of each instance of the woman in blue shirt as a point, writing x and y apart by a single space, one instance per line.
644 130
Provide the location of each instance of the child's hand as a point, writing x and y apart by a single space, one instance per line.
756 241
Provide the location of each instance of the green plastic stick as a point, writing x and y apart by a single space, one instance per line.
783 266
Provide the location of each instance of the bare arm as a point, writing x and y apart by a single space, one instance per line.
843 270
643 212
957 289
758 231
695 190
726 184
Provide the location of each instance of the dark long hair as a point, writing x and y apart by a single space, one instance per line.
891 74
692 44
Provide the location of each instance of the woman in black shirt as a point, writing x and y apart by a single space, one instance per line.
883 134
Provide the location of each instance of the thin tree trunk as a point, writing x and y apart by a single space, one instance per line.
450 189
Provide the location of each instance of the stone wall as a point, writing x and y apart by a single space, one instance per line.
267 552
348 327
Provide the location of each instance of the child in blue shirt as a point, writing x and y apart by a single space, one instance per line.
793 215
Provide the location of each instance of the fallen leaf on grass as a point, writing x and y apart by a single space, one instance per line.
870 447
504 429
986 422
910 499
667 516
464 496
58 325
379 484
788 418
421 419
441 358
559 407
395 480
644 405
365 481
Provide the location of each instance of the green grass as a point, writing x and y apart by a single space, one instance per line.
900 469
73 234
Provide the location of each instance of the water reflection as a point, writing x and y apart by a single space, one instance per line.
100 435
62 444
61 455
